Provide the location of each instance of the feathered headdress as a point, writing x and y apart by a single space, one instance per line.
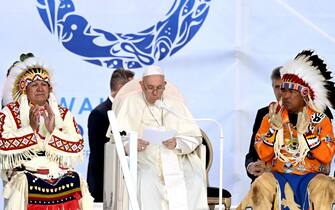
308 74
21 74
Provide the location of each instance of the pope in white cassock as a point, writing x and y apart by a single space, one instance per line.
170 174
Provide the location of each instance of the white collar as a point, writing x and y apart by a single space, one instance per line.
111 98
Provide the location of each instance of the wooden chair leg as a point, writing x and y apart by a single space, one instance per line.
227 203
211 207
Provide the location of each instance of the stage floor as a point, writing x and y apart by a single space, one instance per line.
99 206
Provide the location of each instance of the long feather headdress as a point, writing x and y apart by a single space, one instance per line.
309 75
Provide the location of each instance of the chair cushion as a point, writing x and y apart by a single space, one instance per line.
214 192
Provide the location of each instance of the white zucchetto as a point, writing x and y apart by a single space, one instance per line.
153 70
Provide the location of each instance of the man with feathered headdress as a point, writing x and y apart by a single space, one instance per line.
39 143
297 139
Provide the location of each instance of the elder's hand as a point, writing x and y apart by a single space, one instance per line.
257 168
49 118
34 117
275 116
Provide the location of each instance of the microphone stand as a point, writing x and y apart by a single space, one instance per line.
221 155
160 104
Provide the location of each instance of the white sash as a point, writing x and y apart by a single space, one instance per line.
174 180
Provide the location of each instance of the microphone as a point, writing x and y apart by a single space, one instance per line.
160 104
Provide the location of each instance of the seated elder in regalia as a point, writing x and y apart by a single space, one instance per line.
39 143
296 138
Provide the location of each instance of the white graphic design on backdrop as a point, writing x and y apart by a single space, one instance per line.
124 50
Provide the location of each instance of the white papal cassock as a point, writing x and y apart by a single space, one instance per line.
167 179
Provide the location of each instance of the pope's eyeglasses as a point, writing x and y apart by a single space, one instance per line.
151 88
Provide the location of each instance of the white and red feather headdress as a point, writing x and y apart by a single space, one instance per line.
309 75
22 73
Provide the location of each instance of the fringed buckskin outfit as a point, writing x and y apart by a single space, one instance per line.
37 166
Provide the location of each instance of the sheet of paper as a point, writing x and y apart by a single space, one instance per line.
157 135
